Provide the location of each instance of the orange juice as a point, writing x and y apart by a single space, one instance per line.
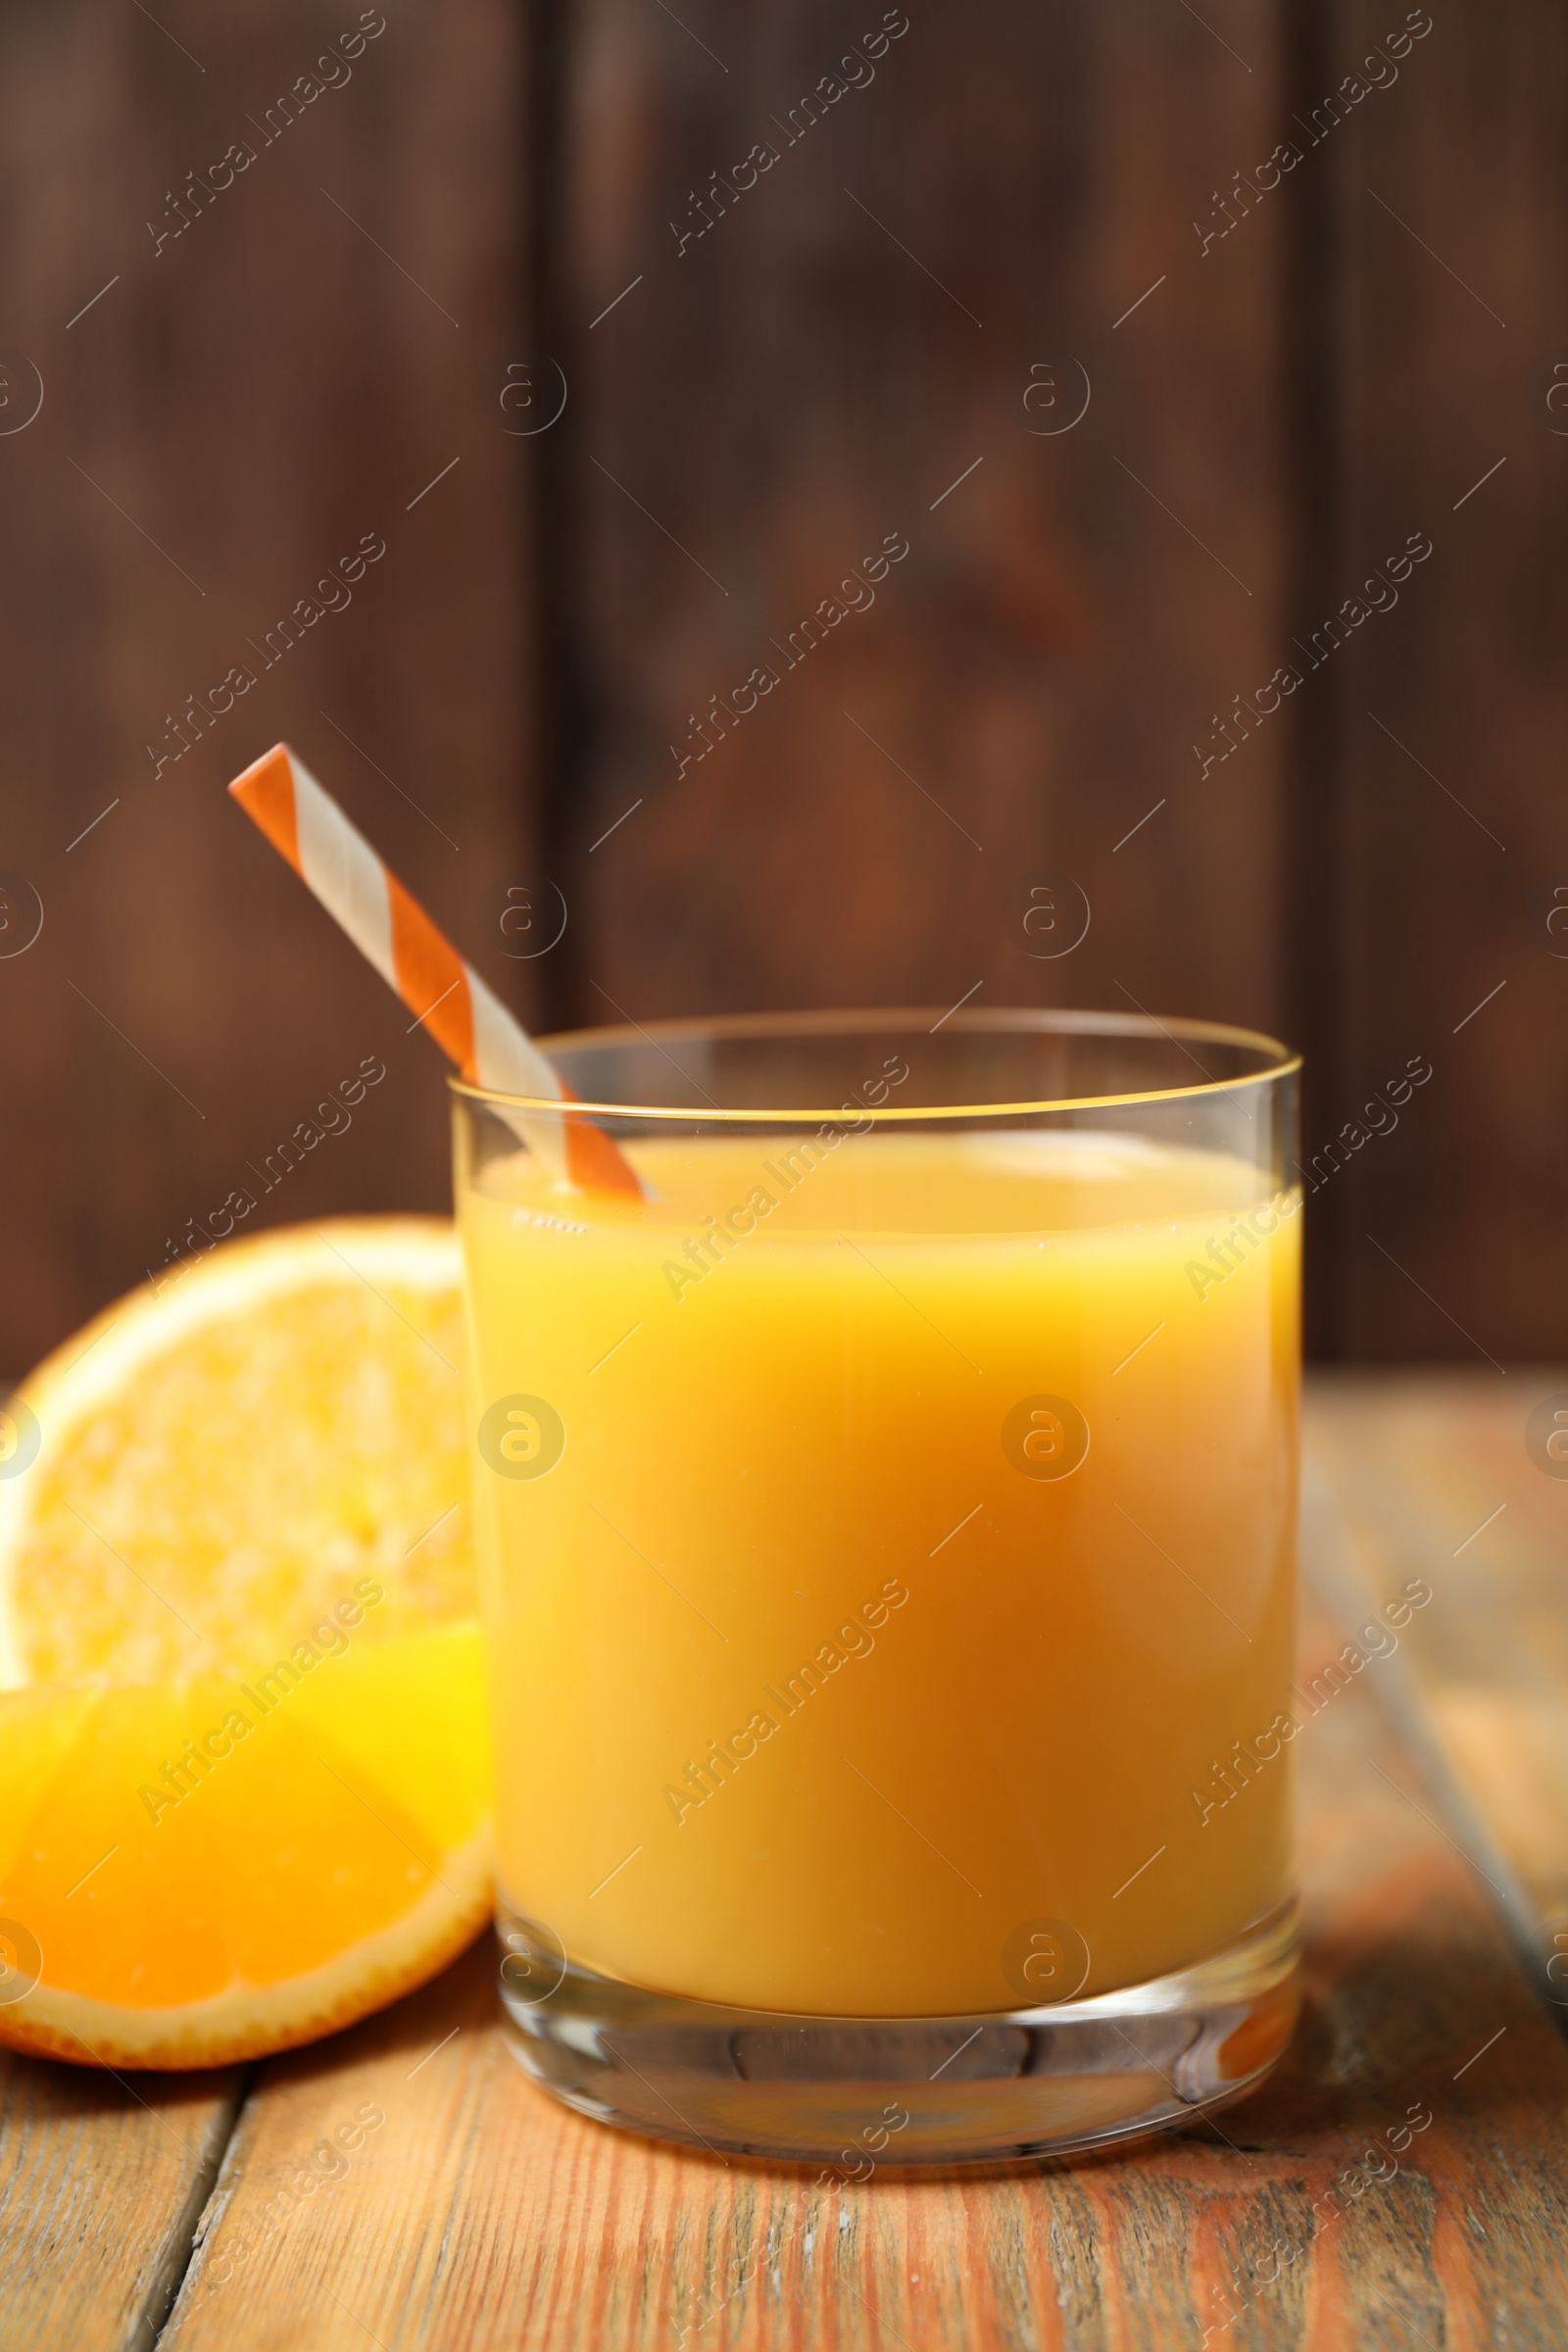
889 1561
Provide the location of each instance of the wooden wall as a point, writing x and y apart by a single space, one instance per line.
853 337
1441 799
792 337
248 402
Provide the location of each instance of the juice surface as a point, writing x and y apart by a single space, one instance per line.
829 1672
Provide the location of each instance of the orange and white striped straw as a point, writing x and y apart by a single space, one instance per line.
491 1048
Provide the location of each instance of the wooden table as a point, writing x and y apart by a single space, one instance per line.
184 2211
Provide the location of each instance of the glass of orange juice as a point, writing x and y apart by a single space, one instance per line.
887 1532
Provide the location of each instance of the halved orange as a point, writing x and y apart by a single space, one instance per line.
242 1733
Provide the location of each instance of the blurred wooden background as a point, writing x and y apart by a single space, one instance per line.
814 281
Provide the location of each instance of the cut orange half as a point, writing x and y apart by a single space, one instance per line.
243 1767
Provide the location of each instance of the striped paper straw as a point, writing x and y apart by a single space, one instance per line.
336 862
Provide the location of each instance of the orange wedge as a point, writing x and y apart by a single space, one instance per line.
242 1738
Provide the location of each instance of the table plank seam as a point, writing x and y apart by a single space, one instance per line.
1333 1564
196 2214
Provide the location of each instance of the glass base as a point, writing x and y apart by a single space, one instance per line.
863 2094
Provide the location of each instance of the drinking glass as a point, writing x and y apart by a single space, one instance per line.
886 1526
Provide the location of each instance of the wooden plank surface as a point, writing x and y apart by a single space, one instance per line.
403 2183
103 2179
1451 1476
481 2214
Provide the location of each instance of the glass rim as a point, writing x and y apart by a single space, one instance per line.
1281 1062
